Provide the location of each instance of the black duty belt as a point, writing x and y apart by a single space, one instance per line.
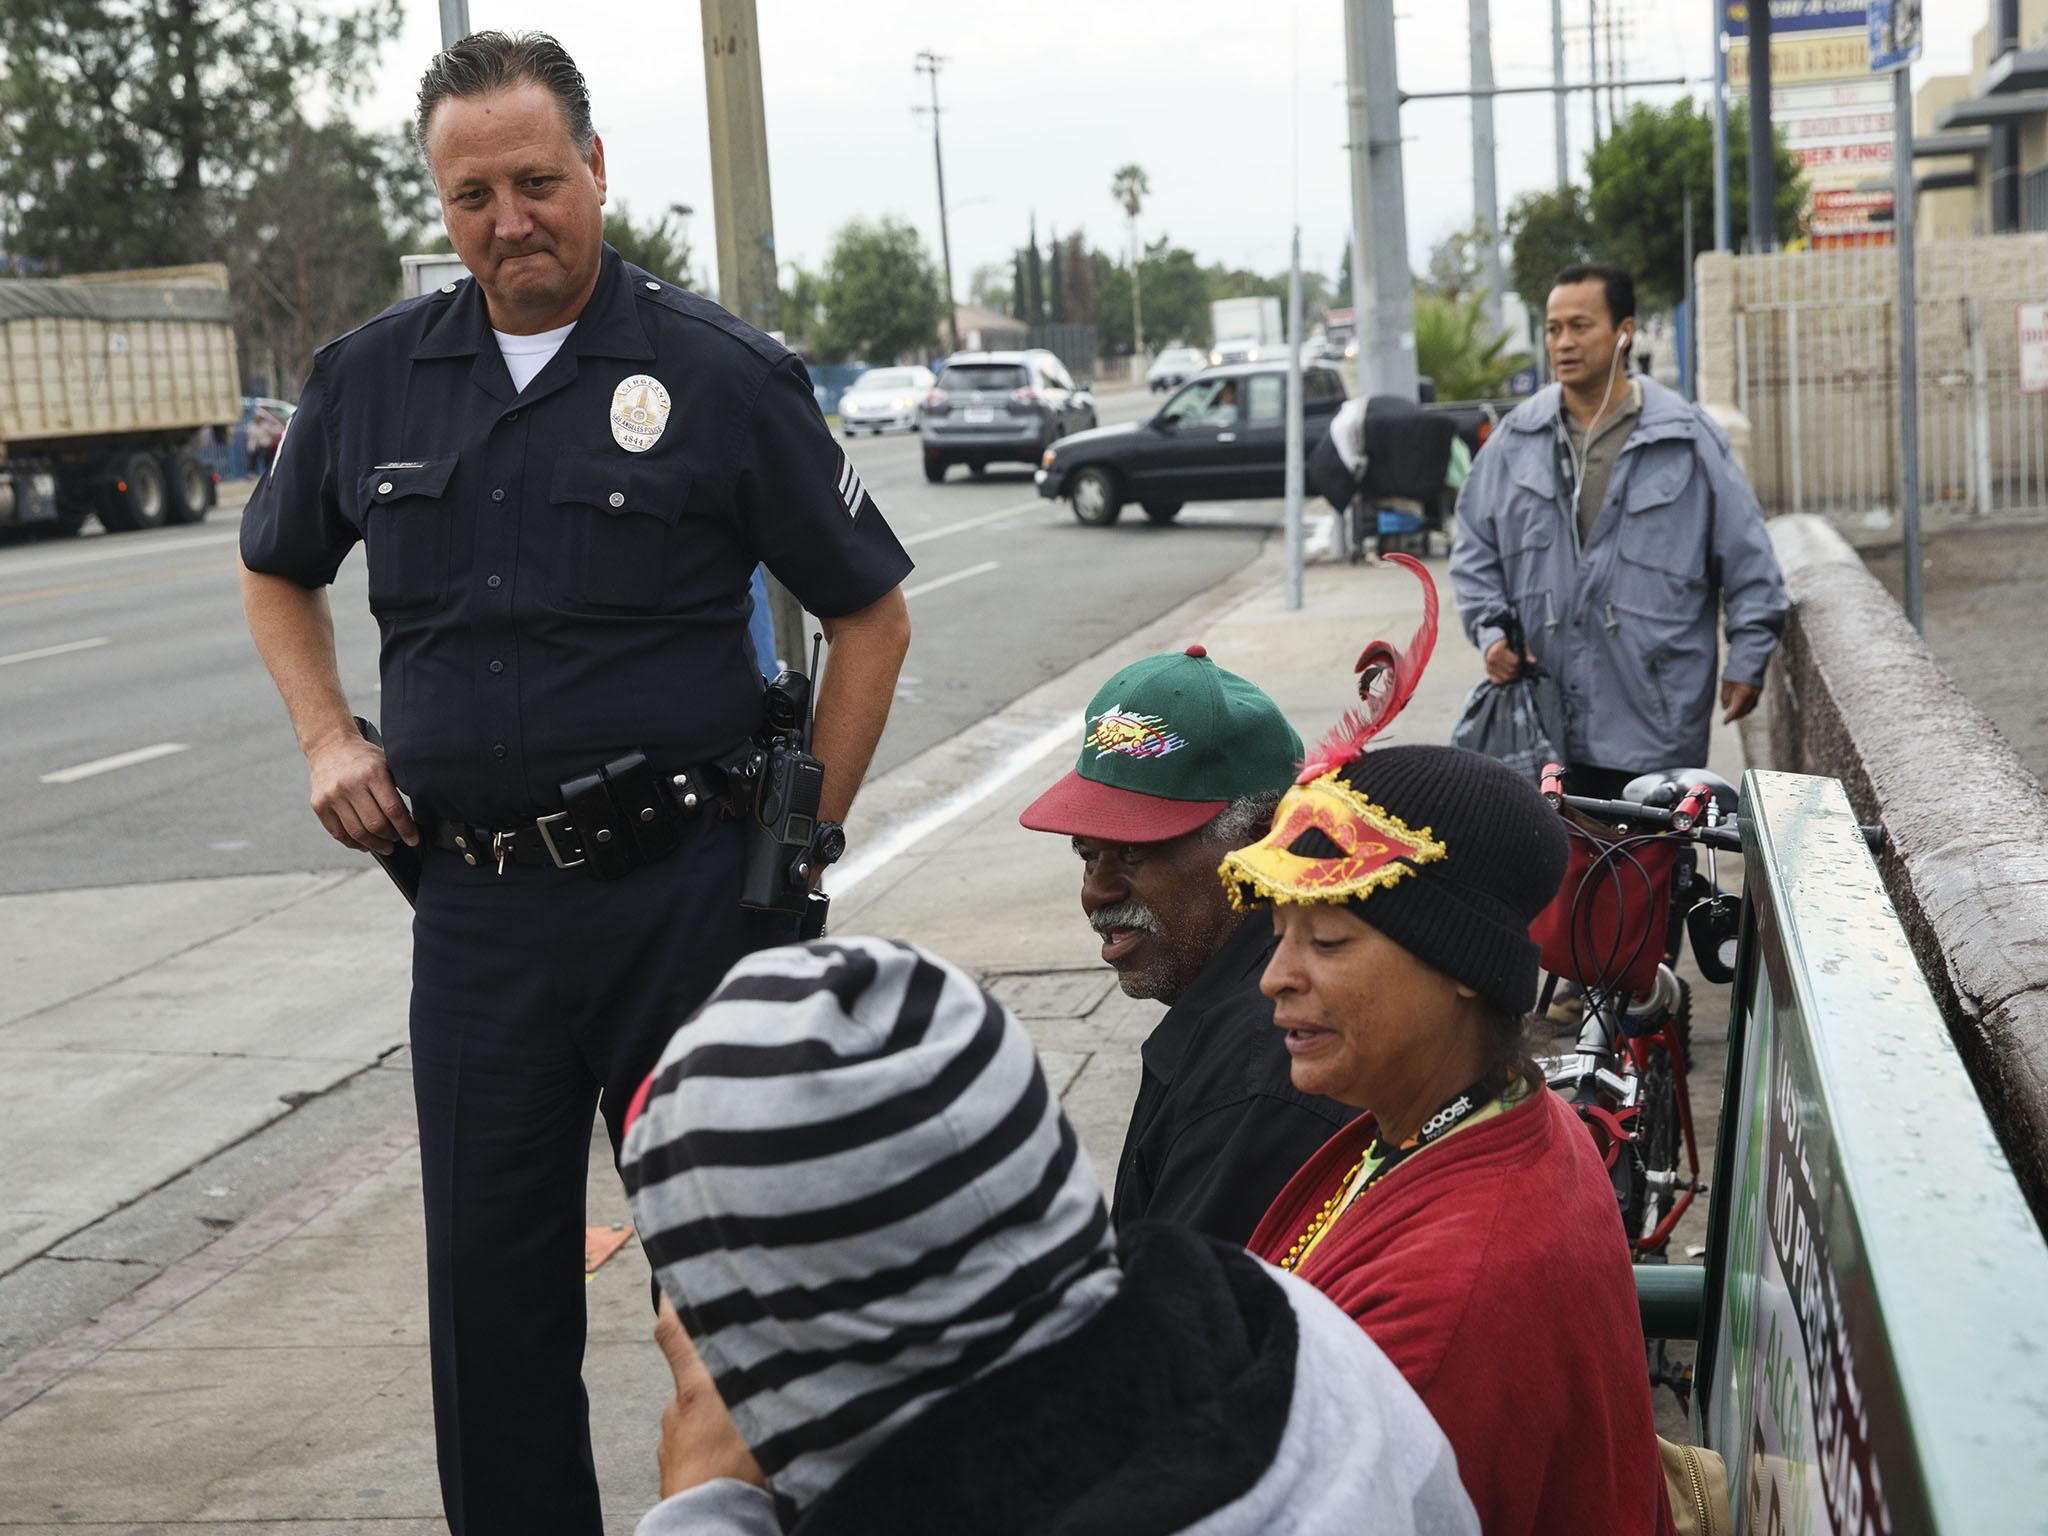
615 819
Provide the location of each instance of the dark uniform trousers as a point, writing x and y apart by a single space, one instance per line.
539 996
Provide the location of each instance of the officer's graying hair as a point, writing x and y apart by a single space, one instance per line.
495 61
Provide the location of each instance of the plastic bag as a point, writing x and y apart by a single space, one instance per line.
1506 721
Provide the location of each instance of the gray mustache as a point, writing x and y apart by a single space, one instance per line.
1124 914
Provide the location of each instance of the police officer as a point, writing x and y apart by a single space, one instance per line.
564 471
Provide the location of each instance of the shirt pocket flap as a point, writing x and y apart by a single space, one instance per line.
606 482
415 477
1661 485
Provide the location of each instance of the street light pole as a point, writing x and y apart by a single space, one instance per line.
928 64
1389 366
1763 191
454 22
1722 238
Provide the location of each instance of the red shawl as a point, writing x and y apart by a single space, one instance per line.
1493 1272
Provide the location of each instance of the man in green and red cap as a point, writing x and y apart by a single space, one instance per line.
1182 762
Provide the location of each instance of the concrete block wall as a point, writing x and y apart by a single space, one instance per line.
1855 694
1805 343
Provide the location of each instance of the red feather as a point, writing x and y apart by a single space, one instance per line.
1387 679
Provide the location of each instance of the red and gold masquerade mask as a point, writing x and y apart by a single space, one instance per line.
1329 843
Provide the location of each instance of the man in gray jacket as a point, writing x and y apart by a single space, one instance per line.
1609 516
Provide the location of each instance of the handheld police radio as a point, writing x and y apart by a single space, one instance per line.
786 843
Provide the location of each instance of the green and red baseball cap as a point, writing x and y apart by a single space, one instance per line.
1165 745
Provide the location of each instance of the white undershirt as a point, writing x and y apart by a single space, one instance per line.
527 355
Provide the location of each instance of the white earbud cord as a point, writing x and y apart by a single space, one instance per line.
1579 454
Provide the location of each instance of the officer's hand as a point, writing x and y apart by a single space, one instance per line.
699 1441
1737 700
355 798
1502 665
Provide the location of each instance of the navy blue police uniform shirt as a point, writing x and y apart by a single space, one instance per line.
560 575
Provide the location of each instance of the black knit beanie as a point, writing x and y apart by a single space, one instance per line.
1468 913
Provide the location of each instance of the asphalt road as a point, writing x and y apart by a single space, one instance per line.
140 739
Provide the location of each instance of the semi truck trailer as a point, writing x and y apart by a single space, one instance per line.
107 381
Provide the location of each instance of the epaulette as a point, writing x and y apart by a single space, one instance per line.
696 307
443 295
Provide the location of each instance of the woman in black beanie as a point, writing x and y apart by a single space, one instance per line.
1464 1219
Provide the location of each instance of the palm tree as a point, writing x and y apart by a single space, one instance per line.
1452 347
1130 188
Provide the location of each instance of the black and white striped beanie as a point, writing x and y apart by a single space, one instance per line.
857 1188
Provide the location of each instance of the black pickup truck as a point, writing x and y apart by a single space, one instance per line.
1222 436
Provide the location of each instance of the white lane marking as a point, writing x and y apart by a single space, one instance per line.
118 760
126 547
947 580
909 833
54 650
970 522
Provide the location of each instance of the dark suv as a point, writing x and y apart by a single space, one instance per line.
1000 407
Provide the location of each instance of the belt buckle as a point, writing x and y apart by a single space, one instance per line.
548 841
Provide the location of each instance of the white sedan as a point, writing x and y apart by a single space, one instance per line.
884 400
1174 367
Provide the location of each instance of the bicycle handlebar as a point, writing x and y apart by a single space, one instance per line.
1726 836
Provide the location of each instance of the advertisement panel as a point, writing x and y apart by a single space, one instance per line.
1811 41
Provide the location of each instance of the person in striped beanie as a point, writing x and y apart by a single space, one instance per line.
908 1312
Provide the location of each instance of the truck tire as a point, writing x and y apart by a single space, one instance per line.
188 485
138 496
1096 497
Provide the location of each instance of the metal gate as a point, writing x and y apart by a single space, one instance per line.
1816 374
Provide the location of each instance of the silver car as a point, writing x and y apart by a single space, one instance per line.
1000 407
884 400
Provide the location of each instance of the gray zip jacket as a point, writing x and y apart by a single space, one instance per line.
1627 622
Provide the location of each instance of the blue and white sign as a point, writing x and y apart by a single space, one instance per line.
1895 34
1797 16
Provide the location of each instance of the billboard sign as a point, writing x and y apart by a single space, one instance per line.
1811 41
2033 338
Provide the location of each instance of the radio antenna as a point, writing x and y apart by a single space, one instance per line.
811 705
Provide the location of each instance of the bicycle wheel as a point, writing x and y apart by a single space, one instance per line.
1658 1140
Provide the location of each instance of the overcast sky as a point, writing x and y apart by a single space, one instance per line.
1040 113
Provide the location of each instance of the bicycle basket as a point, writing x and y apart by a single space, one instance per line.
1606 926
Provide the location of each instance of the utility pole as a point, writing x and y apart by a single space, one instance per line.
1357 142
1614 72
1722 238
454 22
1485 194
1387 355
1593 63
928 63
1763 165
1564 158
743 213
1293 434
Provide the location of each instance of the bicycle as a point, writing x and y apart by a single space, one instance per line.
1632 889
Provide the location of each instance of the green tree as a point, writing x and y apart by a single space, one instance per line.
802 308
1453 348
1079 289
1547 232
315 242
880 294
1457 265
1176 296
660 247
1055 282
989 287
1651 160
131 129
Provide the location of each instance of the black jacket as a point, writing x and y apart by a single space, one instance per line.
1218 1127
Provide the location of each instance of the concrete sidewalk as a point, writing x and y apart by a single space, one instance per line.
277 1375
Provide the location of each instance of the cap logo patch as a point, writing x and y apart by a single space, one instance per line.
639 415
1120 732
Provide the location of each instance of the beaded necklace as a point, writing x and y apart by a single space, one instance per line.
1455 1111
